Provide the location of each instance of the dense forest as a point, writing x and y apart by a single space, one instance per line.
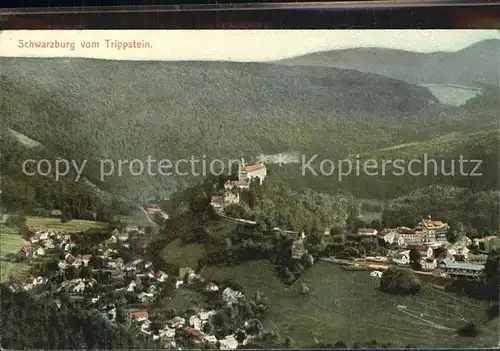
309 110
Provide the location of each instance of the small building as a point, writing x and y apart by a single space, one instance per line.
423 250
211 287
402 257
69 258
228 343
477 259
131 228
161 276
237 184
461 269
367 231
231 198
298 249
217 202
24 252
392 237
139 316
40 251
429 264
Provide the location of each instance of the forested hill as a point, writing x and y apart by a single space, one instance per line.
472 66
90 110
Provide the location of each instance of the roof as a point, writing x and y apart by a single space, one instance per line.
217 199
428 223
405 230
477 257
486 238
418 247
236 183
366 230
460 265
138 314
252 167
406 252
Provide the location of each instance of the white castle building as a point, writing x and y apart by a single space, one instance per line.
249 171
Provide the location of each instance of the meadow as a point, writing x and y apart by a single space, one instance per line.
10 243
75 225
347 306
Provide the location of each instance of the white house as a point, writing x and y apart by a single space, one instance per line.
161 276
145 297
211 287
393 238
424 251
195 322
249 171
131 286
217 202
80 287
429 263
228 343
40 251
231 198
402 257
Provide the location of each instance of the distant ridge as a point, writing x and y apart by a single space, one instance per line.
473 66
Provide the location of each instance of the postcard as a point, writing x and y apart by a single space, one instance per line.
233 189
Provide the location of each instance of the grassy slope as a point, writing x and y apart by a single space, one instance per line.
347 306
75 225
11 242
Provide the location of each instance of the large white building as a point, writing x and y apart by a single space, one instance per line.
433 231
249 171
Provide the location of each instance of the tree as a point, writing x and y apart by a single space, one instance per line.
375 224
415 259
340 345
402 281
16 221
288 342
468 330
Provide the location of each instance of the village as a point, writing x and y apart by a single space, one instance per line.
425 246
106 275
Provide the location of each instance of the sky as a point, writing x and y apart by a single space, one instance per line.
233 45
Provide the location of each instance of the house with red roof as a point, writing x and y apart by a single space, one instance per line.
24 252
249 171
138 315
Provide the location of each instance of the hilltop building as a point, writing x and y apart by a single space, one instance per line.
249 171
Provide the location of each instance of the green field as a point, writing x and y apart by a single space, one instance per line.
11 242
185 256
188 255
75 225
347 306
